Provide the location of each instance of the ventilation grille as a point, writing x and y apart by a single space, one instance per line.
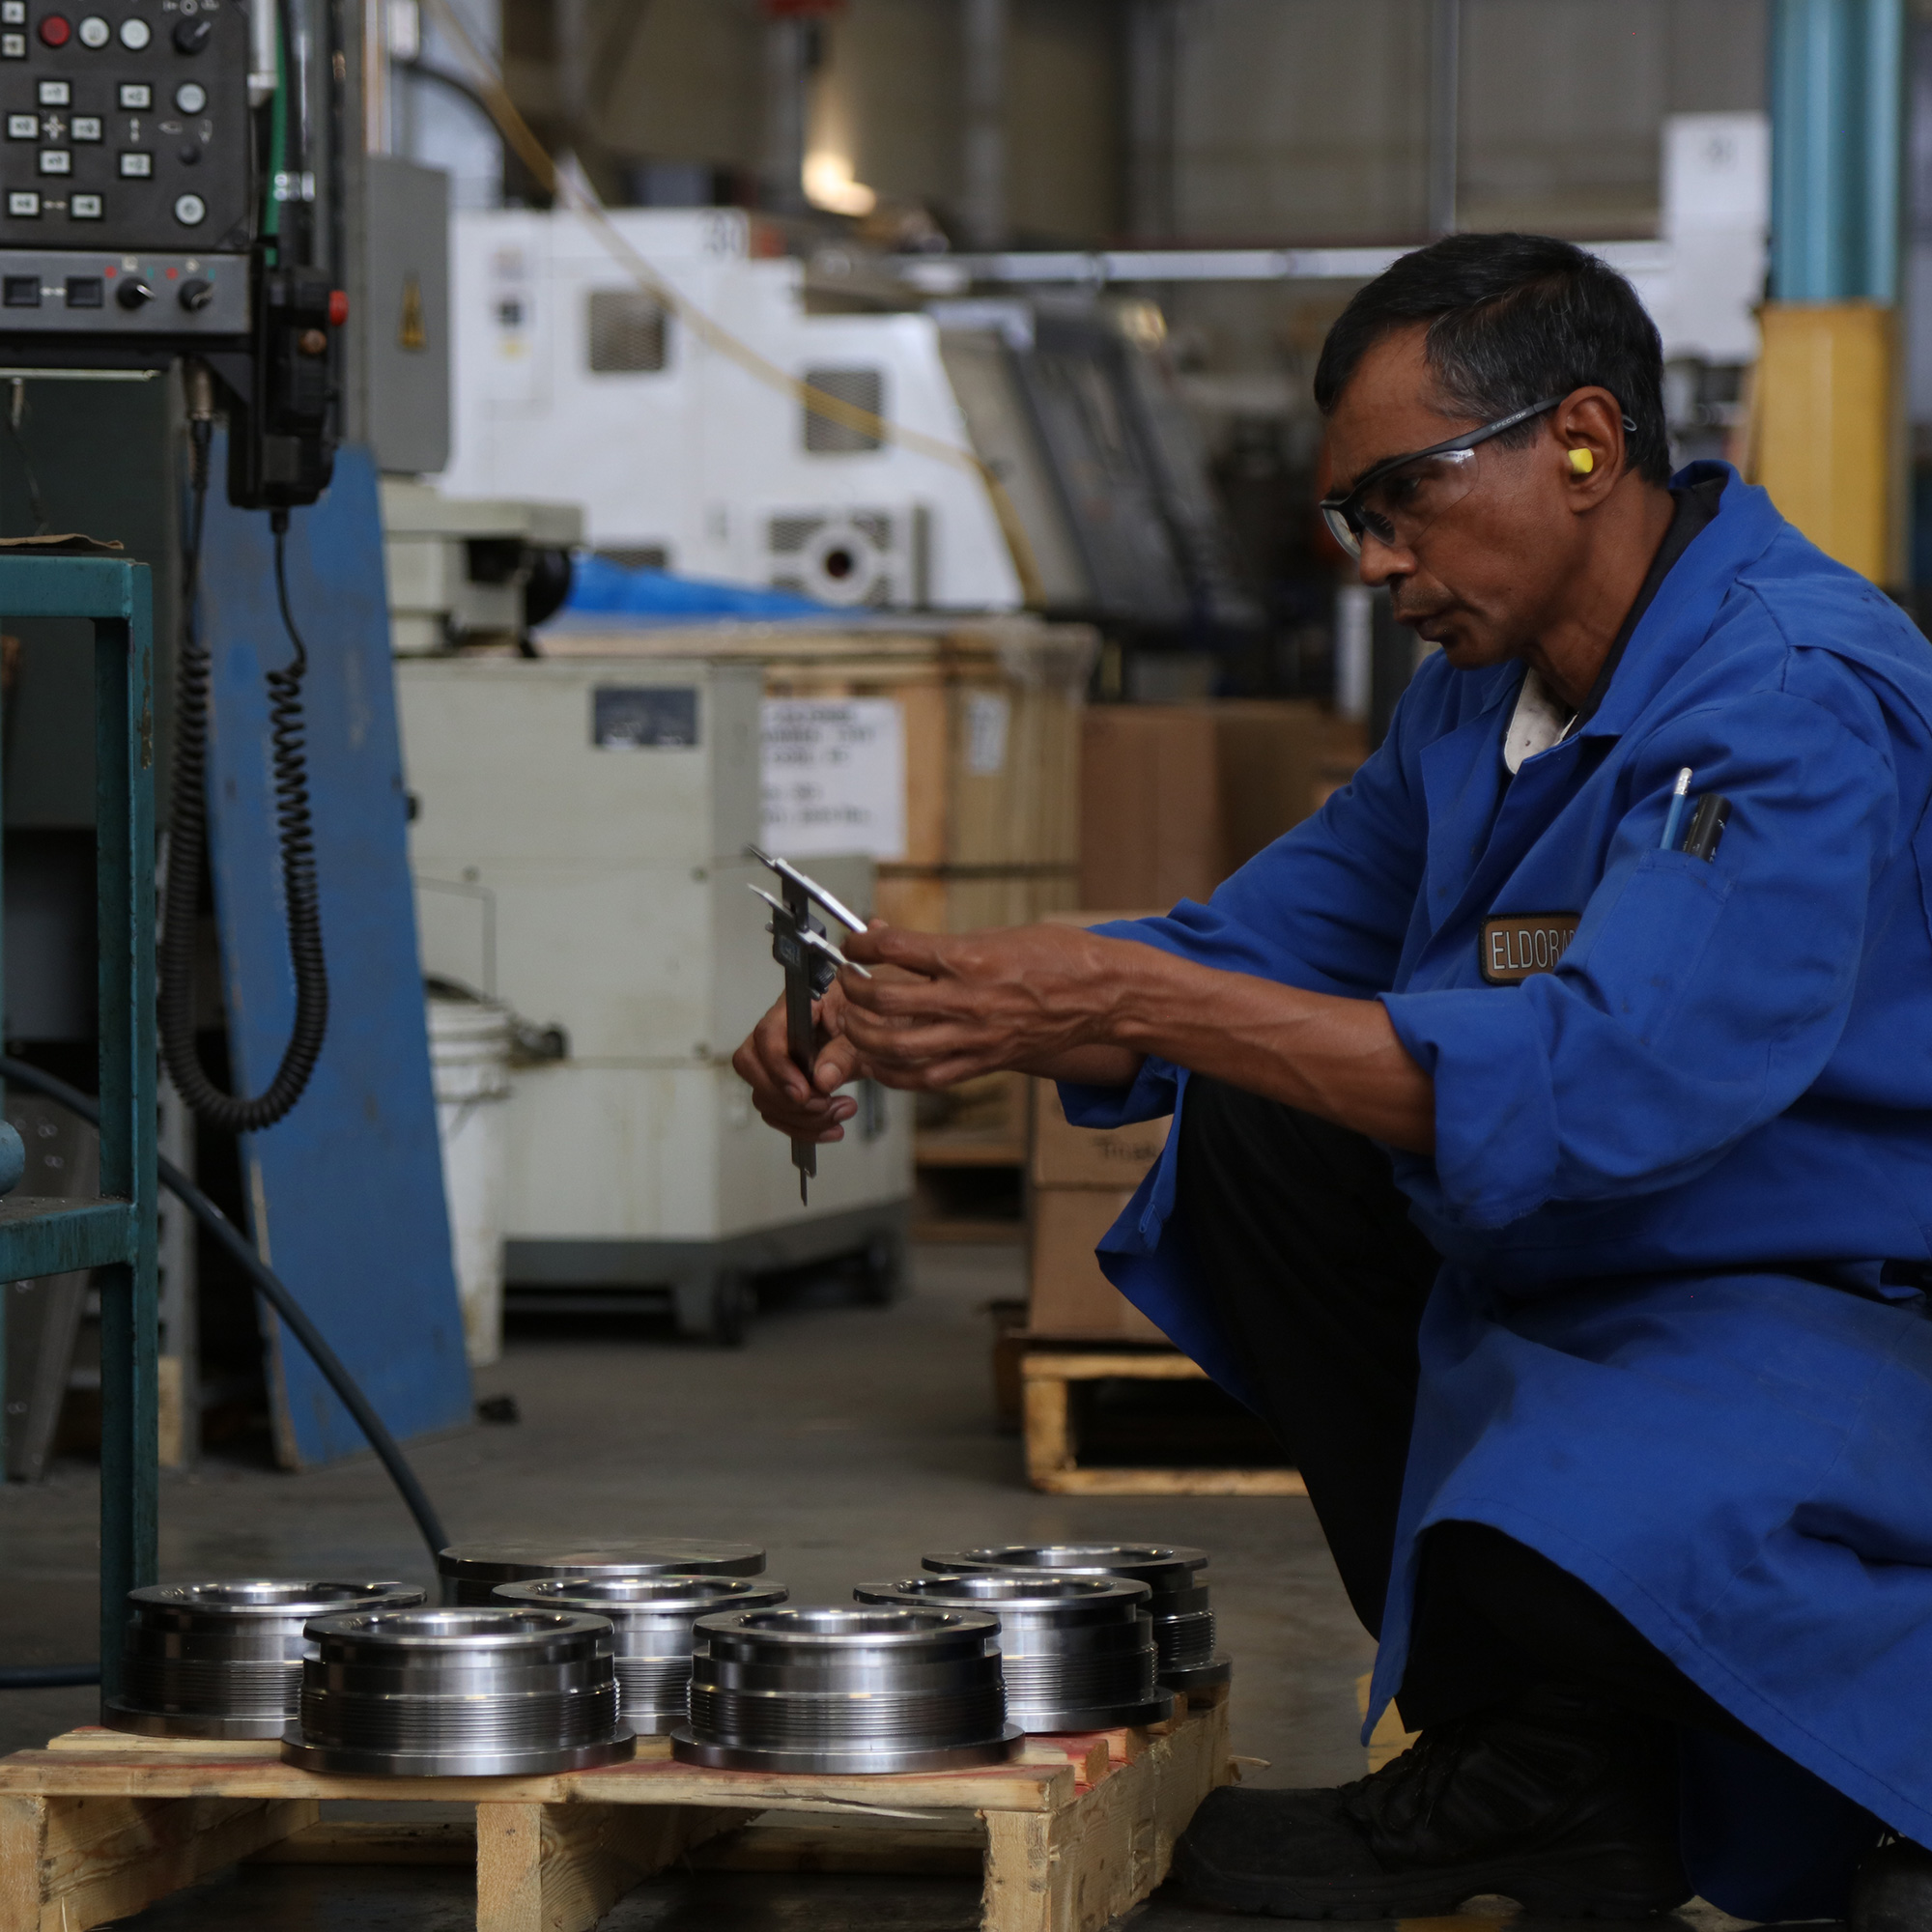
863 388
628 331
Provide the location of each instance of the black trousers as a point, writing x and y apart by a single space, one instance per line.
1314 1270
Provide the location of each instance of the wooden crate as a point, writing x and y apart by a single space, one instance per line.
1046 1376
1069 1835
971 818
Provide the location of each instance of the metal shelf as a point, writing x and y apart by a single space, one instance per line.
113 1232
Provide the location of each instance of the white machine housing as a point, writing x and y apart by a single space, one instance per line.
577 850
431 550
572 383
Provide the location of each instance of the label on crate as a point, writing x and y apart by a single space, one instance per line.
835 776
988 714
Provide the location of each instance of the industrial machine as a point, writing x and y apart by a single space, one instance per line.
579 852
468 571
205 289
573 380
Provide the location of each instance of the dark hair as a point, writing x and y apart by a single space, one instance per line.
1513 318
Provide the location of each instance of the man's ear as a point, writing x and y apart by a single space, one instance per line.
1588 453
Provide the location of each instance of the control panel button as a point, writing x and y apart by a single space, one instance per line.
86 292
135 35
55 30
23 126
191 210
86 126
188 154
190 97
136 97
94 32
338 307
137 166
12 46
132 293
191 35
13 12
56 161
55 94
84 207
23 291
196 294
23 205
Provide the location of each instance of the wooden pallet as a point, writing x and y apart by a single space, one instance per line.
1067 1836
1051 1450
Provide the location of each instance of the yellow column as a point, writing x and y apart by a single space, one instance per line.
1828 430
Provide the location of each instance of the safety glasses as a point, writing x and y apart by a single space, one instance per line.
1401 496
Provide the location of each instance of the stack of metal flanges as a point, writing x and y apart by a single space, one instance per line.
223 1660
1183 1618
651 1619
1076 1653
471 1572
458 1692
879 1689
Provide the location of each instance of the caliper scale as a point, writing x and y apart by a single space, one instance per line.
801 946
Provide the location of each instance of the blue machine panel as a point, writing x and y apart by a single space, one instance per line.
346 1192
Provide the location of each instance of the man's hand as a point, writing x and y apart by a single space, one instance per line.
1040 998
802 1109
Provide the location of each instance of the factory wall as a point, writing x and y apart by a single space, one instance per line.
1297 121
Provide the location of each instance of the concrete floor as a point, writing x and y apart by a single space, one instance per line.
847 1440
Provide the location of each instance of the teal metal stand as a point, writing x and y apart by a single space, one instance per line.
115 1232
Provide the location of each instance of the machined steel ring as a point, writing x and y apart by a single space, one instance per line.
224 1659
471 1571
651 1619
458 1691
1076 1653
1183 1617
878 1689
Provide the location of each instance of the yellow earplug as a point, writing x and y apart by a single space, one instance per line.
1582 461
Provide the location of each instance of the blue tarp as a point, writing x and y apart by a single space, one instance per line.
602 588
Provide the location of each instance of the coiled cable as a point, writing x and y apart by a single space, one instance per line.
187 828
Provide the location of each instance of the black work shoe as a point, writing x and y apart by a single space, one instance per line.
1892 1890
1554 1802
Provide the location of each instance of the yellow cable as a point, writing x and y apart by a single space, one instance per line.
583 198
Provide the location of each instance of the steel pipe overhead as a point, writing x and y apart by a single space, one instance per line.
461 1693
1183 1617
471 1571
835 1689
224 1659
651 1620
1076 1653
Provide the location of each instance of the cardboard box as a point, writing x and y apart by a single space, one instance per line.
1070 1297
1269 753
1064 1156
1149 805
1175 797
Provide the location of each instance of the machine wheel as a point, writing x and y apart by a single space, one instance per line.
882 1272
732 1305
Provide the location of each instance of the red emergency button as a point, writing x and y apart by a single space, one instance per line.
55 31
338 307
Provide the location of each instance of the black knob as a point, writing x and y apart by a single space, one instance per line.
196 294
191 35
133 292
188 154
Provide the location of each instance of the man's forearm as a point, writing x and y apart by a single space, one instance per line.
1336 1058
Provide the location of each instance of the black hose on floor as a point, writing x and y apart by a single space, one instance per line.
275 1294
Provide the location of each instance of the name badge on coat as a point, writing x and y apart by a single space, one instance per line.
1522 943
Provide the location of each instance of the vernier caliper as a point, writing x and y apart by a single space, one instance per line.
798 944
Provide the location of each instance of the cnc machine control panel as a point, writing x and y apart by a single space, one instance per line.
124 176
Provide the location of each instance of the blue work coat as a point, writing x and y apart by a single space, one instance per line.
1682 1180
